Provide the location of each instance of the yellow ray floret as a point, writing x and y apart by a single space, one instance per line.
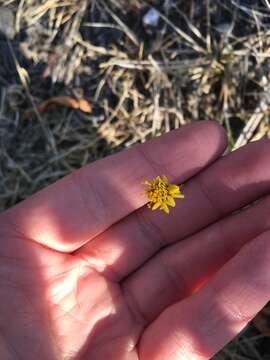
161 193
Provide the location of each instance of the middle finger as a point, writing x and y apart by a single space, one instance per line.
231 183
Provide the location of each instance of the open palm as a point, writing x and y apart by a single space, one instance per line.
88 272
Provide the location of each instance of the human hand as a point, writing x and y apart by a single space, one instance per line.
88 272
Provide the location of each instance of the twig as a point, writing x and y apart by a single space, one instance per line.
125 28
22 75
254 121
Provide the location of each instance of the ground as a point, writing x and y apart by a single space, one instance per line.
82 79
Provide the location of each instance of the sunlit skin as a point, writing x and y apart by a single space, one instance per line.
87 271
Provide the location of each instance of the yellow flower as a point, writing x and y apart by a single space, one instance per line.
161 193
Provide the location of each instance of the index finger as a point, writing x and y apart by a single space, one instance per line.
72 211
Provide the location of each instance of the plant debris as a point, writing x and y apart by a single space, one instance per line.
67 101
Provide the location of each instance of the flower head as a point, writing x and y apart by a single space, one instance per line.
161 193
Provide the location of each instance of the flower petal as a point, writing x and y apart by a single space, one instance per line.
174 188
165 179
147 183
170 201
179 196
156 205
165 208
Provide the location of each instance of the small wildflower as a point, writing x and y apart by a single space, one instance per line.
161 193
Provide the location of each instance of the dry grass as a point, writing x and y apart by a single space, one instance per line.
203 60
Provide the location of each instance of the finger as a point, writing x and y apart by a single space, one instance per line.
229 184
202 324
179 270
77 208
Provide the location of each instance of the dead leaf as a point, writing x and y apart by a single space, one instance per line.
67 101
85 106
